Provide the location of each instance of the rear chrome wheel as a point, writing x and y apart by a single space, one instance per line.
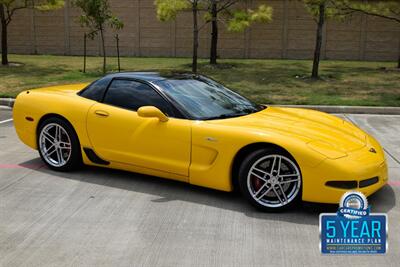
270 179
58 144
55 145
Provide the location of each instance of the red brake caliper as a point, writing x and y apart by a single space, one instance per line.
257 183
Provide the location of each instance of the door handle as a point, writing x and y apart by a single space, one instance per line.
101 113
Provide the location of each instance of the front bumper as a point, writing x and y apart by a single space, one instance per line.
356 167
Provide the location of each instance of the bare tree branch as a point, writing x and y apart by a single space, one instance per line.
10 11
227 5
352 9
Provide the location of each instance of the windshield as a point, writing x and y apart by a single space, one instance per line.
205 99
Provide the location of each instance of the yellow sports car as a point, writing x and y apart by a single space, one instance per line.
190 128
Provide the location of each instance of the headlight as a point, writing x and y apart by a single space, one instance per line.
326 149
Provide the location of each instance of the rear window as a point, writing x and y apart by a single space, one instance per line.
95 91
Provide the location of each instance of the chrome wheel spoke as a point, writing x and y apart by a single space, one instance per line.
290 181
276 165
56 132
283 192
62 156
277 195
48 153
273 165
263 194
264 172
259 190
289 175
59 136
48 137
59 156
65 145
259 177
279 165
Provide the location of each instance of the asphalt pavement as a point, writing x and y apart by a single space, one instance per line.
5 113
100 217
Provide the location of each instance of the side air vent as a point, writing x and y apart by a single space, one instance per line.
93 157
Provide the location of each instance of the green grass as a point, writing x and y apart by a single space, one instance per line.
265 81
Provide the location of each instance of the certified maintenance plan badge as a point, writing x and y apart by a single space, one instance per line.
353 229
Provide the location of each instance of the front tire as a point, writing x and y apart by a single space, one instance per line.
270 179
58 145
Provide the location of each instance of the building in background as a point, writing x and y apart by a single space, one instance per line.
291 34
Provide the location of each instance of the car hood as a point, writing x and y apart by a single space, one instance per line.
308 124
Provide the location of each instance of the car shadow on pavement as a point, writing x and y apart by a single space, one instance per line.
169 190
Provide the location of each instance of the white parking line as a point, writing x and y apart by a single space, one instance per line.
5 121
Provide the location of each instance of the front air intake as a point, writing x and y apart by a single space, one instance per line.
368 182
342 184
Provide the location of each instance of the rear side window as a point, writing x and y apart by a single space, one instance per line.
96 90
133 95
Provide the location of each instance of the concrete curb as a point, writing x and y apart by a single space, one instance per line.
350 109
9 102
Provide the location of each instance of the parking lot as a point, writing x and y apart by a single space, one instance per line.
100 217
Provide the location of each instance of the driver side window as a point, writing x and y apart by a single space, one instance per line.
132 95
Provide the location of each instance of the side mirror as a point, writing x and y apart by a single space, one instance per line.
152 112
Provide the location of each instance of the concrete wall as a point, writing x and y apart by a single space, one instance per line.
290 35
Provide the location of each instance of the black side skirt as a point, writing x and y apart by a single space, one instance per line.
93 157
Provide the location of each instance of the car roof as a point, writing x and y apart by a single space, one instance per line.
152 76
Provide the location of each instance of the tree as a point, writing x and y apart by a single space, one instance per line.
237 19
96 16
317 9
7 11
167 10
321 10
389 10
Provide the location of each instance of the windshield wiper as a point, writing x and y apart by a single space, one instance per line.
225 116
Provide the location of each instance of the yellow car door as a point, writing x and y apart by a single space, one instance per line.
118 134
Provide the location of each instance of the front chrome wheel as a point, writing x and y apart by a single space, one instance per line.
55 145
274 181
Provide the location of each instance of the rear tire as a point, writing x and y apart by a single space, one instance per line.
58 145
270 179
